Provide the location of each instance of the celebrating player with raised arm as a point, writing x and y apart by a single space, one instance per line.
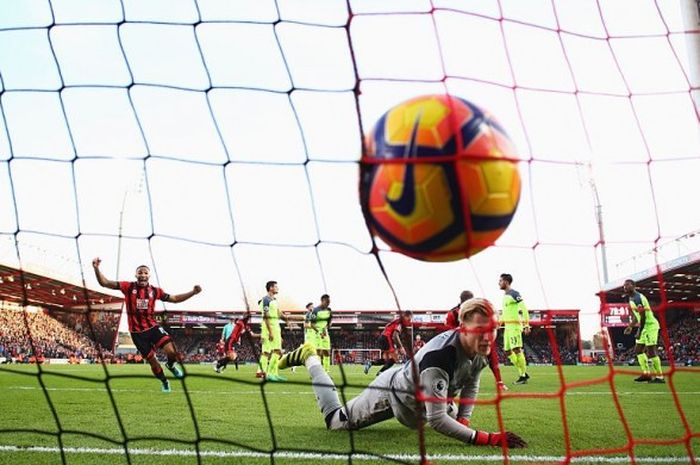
147 334
449 364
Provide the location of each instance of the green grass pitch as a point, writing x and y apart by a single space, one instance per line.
163 428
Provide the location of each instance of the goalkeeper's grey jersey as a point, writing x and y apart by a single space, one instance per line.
444 371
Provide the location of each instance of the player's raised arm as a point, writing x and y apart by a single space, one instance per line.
177 298
104 282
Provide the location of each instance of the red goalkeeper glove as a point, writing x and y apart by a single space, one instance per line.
512 440
464 421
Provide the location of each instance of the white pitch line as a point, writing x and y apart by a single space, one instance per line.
350 389
336 456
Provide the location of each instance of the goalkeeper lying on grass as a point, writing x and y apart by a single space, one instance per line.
449 364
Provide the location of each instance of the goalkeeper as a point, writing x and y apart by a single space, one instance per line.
450 364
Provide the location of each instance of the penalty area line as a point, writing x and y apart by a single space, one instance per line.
335 456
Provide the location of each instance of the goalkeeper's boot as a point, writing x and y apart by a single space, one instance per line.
527 376
520 380
368 366
657 380
298 356
177 372
644 378
166 387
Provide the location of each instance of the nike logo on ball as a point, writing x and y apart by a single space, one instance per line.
406 203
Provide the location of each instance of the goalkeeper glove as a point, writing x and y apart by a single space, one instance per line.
512 440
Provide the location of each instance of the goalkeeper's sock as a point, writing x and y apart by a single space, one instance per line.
326 363
513 357
656 363
643 362
322 384
523 363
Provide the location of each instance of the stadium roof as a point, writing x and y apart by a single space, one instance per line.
681 281
45 291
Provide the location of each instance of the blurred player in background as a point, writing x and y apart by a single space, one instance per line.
390 342
230 336
516 321
647 328
320 321
271 333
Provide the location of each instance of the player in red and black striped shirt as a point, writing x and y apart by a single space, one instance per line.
230 336
147 334
389 340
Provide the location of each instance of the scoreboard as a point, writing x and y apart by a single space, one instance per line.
614 315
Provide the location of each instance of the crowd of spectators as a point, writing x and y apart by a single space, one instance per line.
34 335
99 325
30 335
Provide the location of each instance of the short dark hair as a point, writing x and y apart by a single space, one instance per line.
630 281
325 296
269 285
465 295
143 266
507 277
307 305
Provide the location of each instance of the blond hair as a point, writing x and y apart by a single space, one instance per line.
475 305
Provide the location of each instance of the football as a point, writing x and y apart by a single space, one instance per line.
439 180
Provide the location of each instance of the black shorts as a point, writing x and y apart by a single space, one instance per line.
385 344
147 342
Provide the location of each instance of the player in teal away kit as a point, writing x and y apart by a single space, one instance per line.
514 327
647 335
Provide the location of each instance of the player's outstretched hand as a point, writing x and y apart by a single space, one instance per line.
501 386
96 262
197 289
512 440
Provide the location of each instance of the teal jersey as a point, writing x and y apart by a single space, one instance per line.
513 307
226 332
639 303
321 317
